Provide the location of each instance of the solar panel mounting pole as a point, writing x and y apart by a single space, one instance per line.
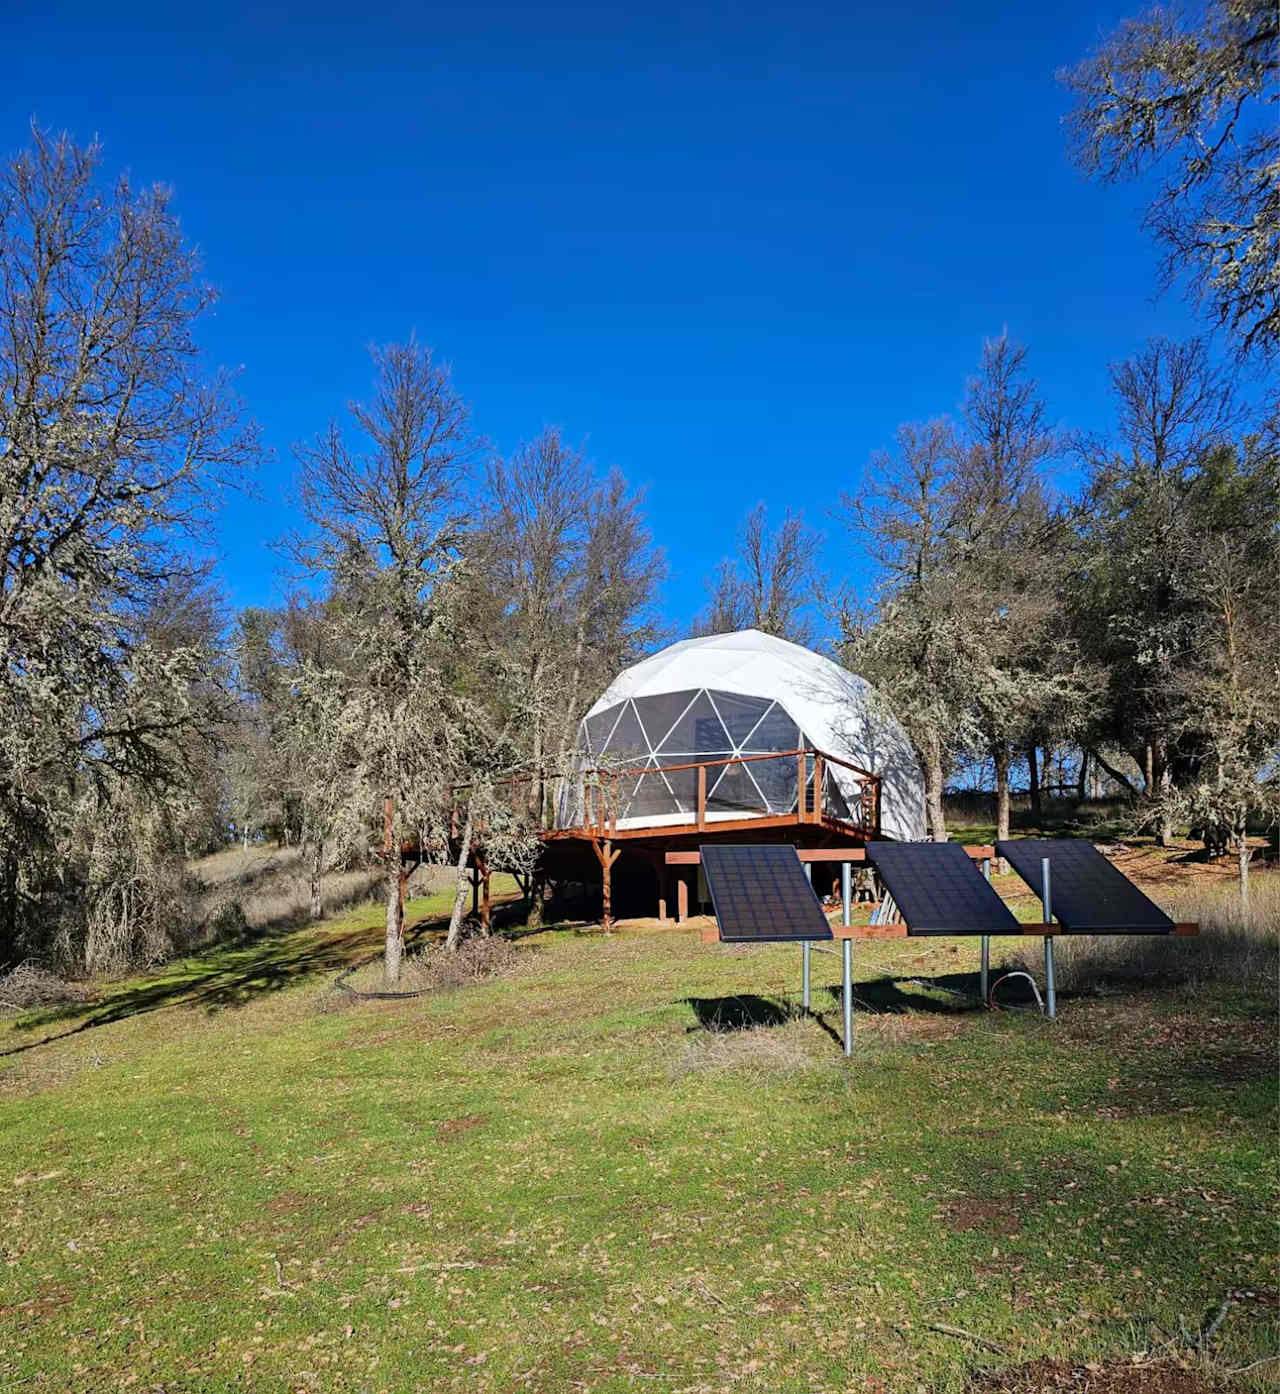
1050 986
985 973
805 955
846 955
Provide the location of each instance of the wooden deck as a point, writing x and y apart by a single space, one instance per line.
821 816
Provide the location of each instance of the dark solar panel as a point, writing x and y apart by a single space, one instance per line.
939 890
1088 894
761 893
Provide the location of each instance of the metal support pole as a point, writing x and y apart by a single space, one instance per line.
846 1002
1050 986
846 892
805 957
985 971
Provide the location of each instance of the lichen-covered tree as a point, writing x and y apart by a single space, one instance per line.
1191 97
917 642
113 440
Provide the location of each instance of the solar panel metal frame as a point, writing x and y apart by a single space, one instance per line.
756 886
938 889
1089 894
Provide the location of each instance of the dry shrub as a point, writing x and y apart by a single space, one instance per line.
761 1052
28 985
1234 948
435 969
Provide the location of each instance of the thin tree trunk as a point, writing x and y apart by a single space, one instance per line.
1121 779
1164 832
317 868
1242 858
461 884
1001 756
395 923
933 779
536 892
1082 780
1033 782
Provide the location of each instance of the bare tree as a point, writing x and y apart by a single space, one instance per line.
386 510
533 554
1195 103
770 584
112 440
1030 684
917 644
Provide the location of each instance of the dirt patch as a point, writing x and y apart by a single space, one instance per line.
453 1128
1107 1377
965 1213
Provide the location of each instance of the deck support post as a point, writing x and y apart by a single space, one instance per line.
486 898
682 897
606 854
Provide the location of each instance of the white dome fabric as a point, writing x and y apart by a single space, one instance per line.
746 693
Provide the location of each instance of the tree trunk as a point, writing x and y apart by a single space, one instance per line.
1242 858
1082 780
1164 831
461 883
395 922
933 780
1001 756
536 891
317 868
1033 782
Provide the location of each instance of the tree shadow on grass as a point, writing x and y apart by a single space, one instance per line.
225 976
744 1012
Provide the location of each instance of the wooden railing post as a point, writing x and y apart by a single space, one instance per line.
702 797
800 796
819 803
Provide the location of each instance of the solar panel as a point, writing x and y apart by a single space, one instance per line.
939 890
1089 895
761 894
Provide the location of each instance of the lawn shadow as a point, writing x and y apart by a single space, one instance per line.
744 1012
226 976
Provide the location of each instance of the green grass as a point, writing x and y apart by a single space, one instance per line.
561 1181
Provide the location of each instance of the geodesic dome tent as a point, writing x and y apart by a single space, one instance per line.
747 694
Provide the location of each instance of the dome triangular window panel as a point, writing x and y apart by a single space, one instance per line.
777 782
776 731
698 732
653 798
739 714
659 713
736 791
683 784
599 727
627 744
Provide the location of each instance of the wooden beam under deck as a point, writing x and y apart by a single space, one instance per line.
825 854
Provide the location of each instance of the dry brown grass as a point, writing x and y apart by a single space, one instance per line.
255 888
1236 948
760 1052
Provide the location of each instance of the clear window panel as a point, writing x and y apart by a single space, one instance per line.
776 732
659 713
739 714
698 732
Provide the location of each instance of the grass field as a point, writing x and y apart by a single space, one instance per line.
221 1177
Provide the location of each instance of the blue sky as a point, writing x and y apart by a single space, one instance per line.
729 248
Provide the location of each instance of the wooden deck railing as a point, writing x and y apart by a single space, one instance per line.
603 802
